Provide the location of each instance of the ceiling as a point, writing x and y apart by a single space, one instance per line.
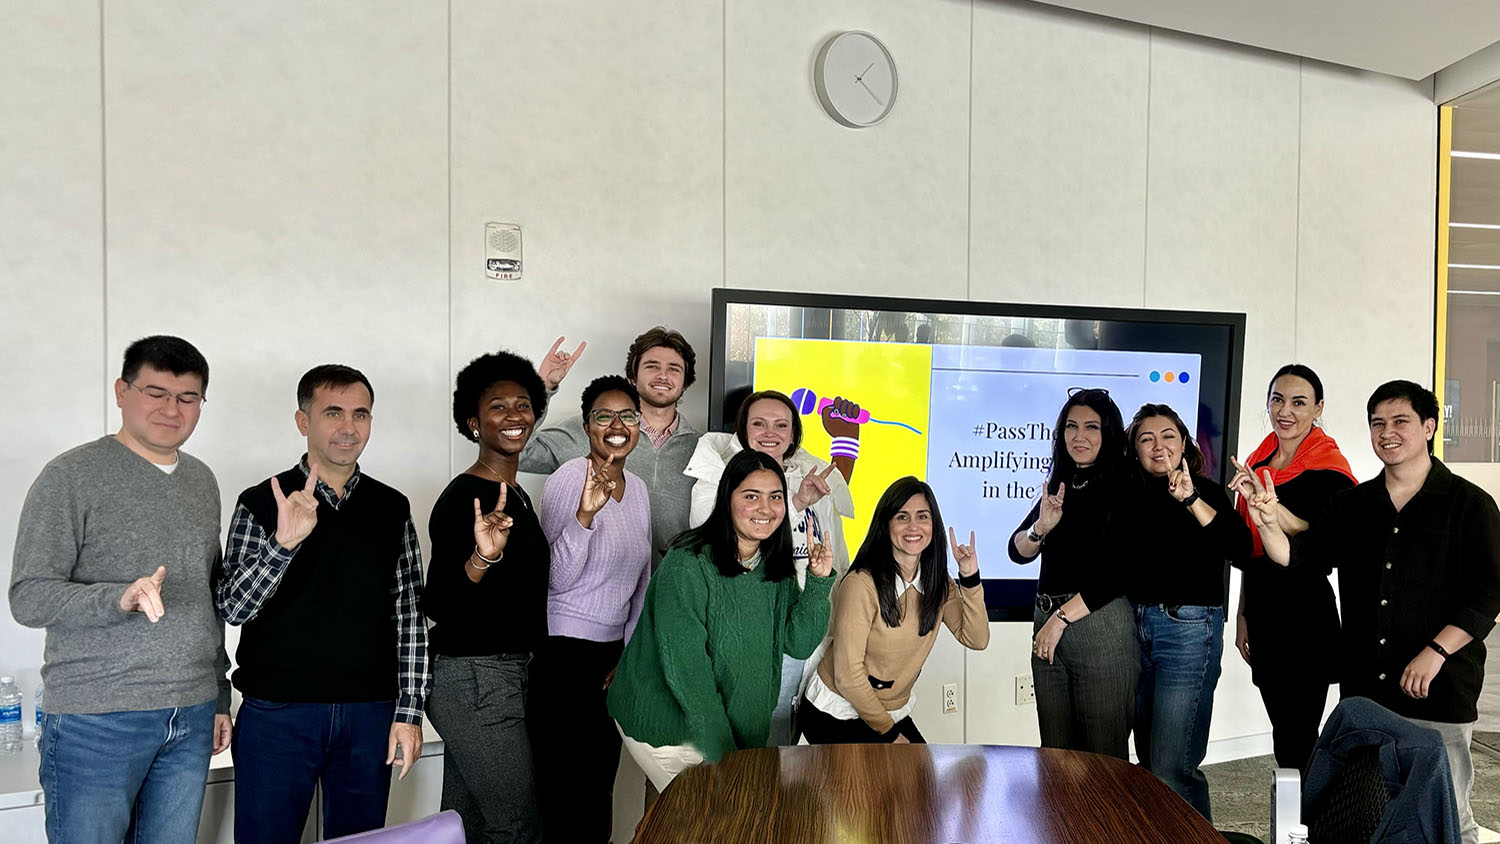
1397 37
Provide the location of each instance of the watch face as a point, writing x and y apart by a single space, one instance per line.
855 79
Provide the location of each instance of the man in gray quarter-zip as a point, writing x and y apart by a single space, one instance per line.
116 546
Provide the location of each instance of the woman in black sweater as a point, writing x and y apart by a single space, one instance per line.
1186 533
1085 661
487 598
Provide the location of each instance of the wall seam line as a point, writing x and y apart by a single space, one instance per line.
103 217
1297 226
449 217
969 202
1146 212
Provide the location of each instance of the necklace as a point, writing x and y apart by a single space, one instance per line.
501 478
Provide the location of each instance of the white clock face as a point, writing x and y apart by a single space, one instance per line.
855 79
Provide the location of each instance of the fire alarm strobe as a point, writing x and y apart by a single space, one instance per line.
502 251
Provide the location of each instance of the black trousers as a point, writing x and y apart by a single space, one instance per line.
822 728
1294 694
574 742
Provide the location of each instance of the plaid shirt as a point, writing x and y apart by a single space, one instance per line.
254 563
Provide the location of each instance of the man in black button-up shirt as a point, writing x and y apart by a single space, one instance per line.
1418 553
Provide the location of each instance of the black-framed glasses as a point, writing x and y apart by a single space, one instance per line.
604 418
187 398
1088 391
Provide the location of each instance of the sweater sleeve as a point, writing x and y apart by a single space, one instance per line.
48 541
553 446
855 610
807 623
1228 533
1010 544
570 541
965 614
681 613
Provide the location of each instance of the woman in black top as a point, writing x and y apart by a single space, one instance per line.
1085 661
487 598
1281 609
1186 532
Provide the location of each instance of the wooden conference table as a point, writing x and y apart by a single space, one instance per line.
861 793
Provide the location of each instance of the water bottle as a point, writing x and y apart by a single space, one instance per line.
10 716
36 737
1297 834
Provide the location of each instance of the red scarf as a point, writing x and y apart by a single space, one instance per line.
1317 451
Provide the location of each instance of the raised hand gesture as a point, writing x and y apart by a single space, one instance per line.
1180 481
1243 481
144 596
812 489
597 488
1263 505
554 365
819 558
296 514
492 529
966 555
1051 512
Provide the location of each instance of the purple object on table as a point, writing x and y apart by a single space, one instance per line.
442 828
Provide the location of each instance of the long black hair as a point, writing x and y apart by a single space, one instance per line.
717 533
876 557
1114 447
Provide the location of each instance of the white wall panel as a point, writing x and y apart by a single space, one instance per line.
599 130
1222 234
812 205
1059 164
278 178
51 273
1365 241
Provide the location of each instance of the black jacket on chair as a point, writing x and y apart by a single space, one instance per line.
1411 762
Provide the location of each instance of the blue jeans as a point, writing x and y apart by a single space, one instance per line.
282 750
782 734
1180 652
136 777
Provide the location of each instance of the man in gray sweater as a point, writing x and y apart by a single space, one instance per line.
117 541
661 366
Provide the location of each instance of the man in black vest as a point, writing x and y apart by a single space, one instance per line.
323 569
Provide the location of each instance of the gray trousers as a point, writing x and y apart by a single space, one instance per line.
1085 699
478 705
1456 739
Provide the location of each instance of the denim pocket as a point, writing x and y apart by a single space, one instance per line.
1187 614
265 705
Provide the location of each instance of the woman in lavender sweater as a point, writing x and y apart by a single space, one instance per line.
597 520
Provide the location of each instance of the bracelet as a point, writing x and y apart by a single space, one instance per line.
845 447
1442 651
1035 537
1067 622
486 560
1191 499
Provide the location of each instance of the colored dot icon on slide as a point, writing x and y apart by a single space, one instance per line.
1169 376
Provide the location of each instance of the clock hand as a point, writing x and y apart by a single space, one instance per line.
862 84
862 73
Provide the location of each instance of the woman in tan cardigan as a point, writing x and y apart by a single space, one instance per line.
885 618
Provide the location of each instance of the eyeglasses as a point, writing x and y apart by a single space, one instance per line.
1088 391
186 399
604 418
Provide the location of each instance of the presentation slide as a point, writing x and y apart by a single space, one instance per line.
975 422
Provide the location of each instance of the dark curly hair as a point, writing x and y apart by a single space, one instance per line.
607 384
483 372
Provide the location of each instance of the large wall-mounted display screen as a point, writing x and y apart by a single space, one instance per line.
965 394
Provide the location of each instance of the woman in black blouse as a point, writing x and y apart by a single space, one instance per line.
487 598
1085 661
1281 609
1186 532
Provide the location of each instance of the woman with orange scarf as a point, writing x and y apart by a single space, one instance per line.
1283 609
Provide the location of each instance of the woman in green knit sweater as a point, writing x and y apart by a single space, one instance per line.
701 674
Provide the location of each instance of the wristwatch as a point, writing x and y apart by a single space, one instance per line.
1188 502
1035 537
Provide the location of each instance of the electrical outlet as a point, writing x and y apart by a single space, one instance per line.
1025 691
950 697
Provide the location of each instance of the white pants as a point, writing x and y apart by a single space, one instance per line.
661 764
1456 738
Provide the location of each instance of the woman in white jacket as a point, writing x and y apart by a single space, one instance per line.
768 422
